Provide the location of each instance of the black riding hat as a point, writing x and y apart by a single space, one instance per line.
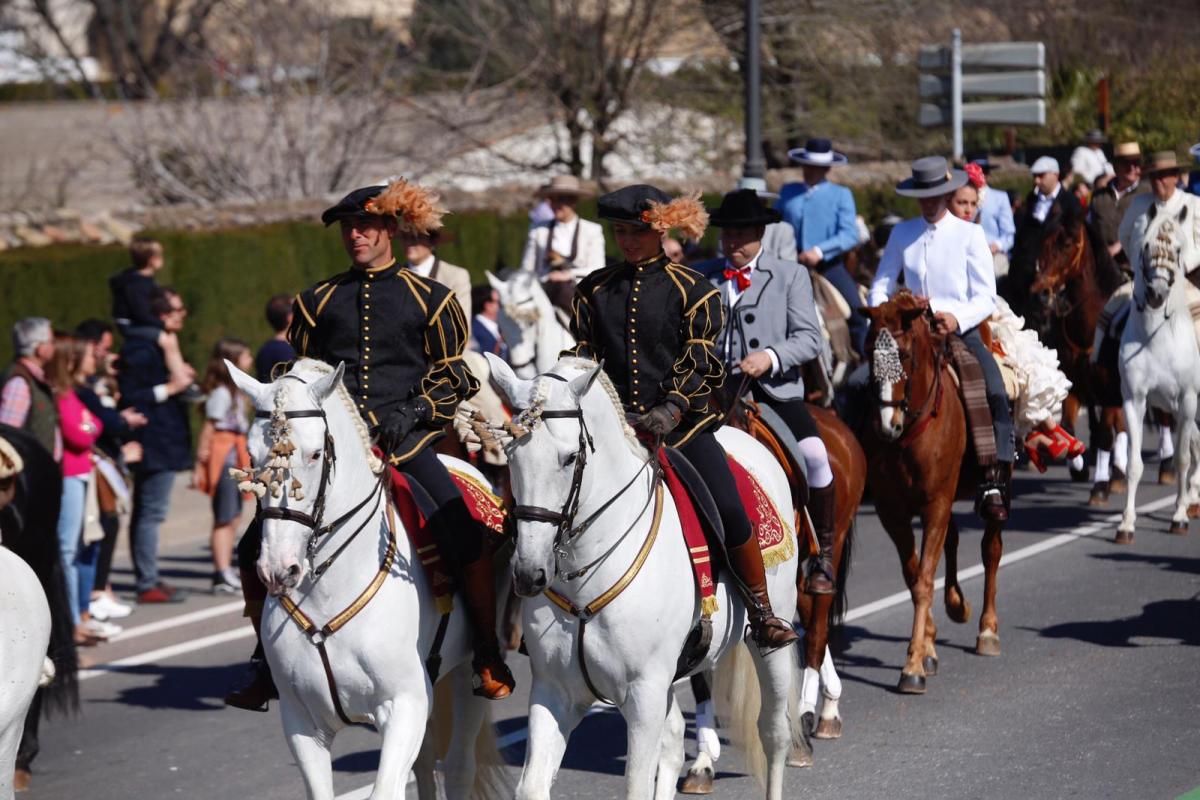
742 209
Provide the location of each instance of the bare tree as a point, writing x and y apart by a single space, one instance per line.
578 65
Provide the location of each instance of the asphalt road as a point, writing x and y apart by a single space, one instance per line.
1097 693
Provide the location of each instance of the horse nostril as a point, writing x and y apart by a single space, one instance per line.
540 581
293 570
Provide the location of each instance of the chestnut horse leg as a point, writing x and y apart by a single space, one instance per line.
991 548
1070 416
958 608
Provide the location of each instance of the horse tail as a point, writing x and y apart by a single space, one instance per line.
740 696
837 611
492 780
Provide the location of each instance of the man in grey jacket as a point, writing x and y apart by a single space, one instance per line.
771 329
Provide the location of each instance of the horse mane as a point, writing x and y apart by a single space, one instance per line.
585 365
364 434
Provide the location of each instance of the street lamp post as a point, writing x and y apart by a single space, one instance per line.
755 165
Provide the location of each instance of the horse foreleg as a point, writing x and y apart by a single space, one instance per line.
830 724
775 672
935 521
310 747
957 607
425 767
1135 409
401 723
991 548
1184 448
468 720
645 711
670 756
552 717
700 774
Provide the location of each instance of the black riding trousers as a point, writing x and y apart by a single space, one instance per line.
708 457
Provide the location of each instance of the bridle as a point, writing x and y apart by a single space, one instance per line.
914 425
314 521
567 529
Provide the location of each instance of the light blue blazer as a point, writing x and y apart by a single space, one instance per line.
822 216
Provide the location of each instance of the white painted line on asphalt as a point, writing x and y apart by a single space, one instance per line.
180 619
163 653
1084 531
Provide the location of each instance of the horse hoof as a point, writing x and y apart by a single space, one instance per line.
1193 511
959 613
1123 537
1099 496
701 781
1178 528
930 664
1167 475
829 729
797 757
1079 476
22 780
911 684
987 644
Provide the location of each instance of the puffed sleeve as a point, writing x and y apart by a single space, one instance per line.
582 319
698 370
448 381
303 322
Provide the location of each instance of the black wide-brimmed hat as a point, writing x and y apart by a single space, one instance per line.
742 209
931 177
817 153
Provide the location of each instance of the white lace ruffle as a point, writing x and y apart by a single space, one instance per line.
1043 386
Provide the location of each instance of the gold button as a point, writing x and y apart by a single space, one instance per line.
366 306
366 338
366 327
366 317
365 367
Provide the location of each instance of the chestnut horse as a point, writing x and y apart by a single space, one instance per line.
1072 289
919 463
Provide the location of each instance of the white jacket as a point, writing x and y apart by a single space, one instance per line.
1138 228
589 250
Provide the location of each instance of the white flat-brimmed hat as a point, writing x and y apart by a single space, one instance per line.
1045 164
931 177
756 185
563 186
817 153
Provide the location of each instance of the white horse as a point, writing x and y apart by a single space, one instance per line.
530 324
335 554
24 637
597 529
1160 364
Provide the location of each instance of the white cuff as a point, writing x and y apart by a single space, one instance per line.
160 393
774 361
820 253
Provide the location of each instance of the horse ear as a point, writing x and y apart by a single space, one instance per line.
505 379
580 384
869 312
258 392
495 282
909 314
324 386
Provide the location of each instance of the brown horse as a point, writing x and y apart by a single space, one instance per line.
1072 287
919 463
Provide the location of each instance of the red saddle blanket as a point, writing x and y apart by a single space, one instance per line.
775 538
484 506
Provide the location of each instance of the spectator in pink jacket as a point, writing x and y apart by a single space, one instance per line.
74 362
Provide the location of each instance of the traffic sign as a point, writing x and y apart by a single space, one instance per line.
998 112
1008 55
1030 83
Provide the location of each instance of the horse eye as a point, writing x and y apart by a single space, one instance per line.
569 460
315 456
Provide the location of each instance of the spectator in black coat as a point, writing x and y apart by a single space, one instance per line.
277 350
1049 208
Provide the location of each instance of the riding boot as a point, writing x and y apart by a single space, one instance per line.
768 631
822 508
992 504
492 678
259 688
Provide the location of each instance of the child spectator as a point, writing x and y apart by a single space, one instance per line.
276 350
222 445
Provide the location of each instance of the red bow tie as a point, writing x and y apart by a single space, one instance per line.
742 275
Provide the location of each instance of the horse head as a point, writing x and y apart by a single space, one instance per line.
1062 265
564 426
1161 257
901 348
298 419
521 311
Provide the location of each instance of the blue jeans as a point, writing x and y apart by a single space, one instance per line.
847 288
86 558
70 526
151 497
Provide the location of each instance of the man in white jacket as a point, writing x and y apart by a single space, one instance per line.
1165 202
566 248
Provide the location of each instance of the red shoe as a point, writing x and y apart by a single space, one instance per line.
162 593
1034 443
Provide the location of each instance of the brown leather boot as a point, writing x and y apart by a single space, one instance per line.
492 678
822 508
768 631
992 504
259 689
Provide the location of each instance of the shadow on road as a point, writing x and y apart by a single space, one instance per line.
1187 566
184 688
1165 622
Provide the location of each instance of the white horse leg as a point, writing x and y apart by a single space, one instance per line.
670 757
401 722
1186 424
700 774
645 712
425 767
10 740
469 711
310 747
552 717
830 724
1135 409
803 718
775 672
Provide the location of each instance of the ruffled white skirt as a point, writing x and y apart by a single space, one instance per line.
1042 386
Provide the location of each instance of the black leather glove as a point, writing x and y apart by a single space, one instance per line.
661 419
400 423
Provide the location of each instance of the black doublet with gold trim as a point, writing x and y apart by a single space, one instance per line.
654 325
401 337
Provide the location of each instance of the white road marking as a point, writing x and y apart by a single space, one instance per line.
163 653
181 619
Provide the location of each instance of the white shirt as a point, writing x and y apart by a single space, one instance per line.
425 268
1088 163
490 325
948 262
589 255
1042 205
732 295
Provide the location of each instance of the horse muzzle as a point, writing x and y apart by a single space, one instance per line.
530 582
280 580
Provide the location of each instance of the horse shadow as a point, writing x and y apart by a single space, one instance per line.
181 688
1181 564
1170 620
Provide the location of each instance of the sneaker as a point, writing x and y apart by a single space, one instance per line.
222 585
105 607
162 593
232 577
100 629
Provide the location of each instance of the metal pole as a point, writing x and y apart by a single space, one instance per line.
956 93
755 165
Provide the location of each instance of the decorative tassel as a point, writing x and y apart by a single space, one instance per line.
445 603
276 489
239 474
708 606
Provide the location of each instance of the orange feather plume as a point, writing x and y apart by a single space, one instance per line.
685 214
418 209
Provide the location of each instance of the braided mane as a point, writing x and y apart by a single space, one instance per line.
585 365
343 394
